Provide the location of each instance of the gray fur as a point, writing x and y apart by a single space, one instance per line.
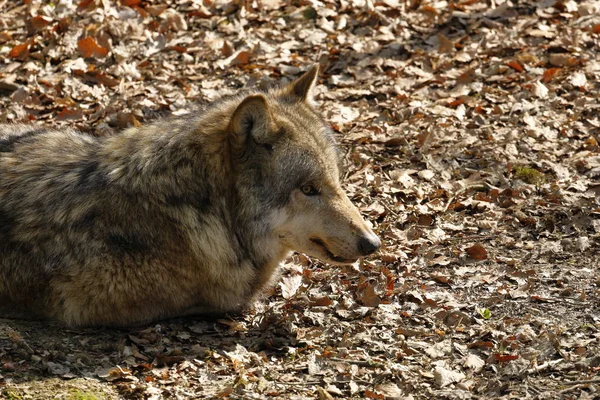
183 216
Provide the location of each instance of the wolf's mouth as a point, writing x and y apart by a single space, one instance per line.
333 257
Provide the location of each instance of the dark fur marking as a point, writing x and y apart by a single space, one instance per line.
87 221
7 144
197 201
126 243
7 222
177 201
90 176
8 244
183 163
87 169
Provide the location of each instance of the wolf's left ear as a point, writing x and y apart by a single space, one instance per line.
302 87
252 120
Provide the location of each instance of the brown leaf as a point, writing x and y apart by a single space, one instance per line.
117 373
505 357
372 395
368 297
168 360
477 252
516 65
456 103
445 45
20 51
561 59
86 5
156 10
225 392
481 345
5 37
102 77
395 142
69 114
126 119
38 22
323 394
322 301
550 74
466 77
441 278
140 10
201 12
388 258
242 58
88 47
425 220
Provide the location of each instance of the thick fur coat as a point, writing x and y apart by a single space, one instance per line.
183 216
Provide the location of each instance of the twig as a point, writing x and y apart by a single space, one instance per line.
361 363
570 389
588 382
543 366
388 209
462 190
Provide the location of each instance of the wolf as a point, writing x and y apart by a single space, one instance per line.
184 216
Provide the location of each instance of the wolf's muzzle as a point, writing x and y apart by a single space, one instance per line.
368 244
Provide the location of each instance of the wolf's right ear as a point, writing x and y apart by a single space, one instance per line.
252 120
302 87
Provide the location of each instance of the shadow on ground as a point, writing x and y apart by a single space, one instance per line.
45 360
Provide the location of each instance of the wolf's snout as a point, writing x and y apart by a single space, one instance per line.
368 244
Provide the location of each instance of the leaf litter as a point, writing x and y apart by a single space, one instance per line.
470 131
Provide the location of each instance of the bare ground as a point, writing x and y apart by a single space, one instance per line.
471 134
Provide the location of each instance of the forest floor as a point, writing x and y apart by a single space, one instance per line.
471 132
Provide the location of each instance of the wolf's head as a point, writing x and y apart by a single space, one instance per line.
286 163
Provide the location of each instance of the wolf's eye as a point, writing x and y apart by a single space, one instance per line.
309 190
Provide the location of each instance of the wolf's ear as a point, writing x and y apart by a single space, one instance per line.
302 87
252 120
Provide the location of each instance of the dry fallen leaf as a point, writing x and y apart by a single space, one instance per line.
289 286
477 252
39 22
540 90
368 297
19 51
516 65
88 47
578 79
69 114
550 74
474 362
444 377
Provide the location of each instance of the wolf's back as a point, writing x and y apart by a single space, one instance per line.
40 172
89 226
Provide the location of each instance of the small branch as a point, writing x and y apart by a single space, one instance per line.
360 363
589 382
462 190
543 366
297 383
570 389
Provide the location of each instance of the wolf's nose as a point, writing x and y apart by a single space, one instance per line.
368 244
